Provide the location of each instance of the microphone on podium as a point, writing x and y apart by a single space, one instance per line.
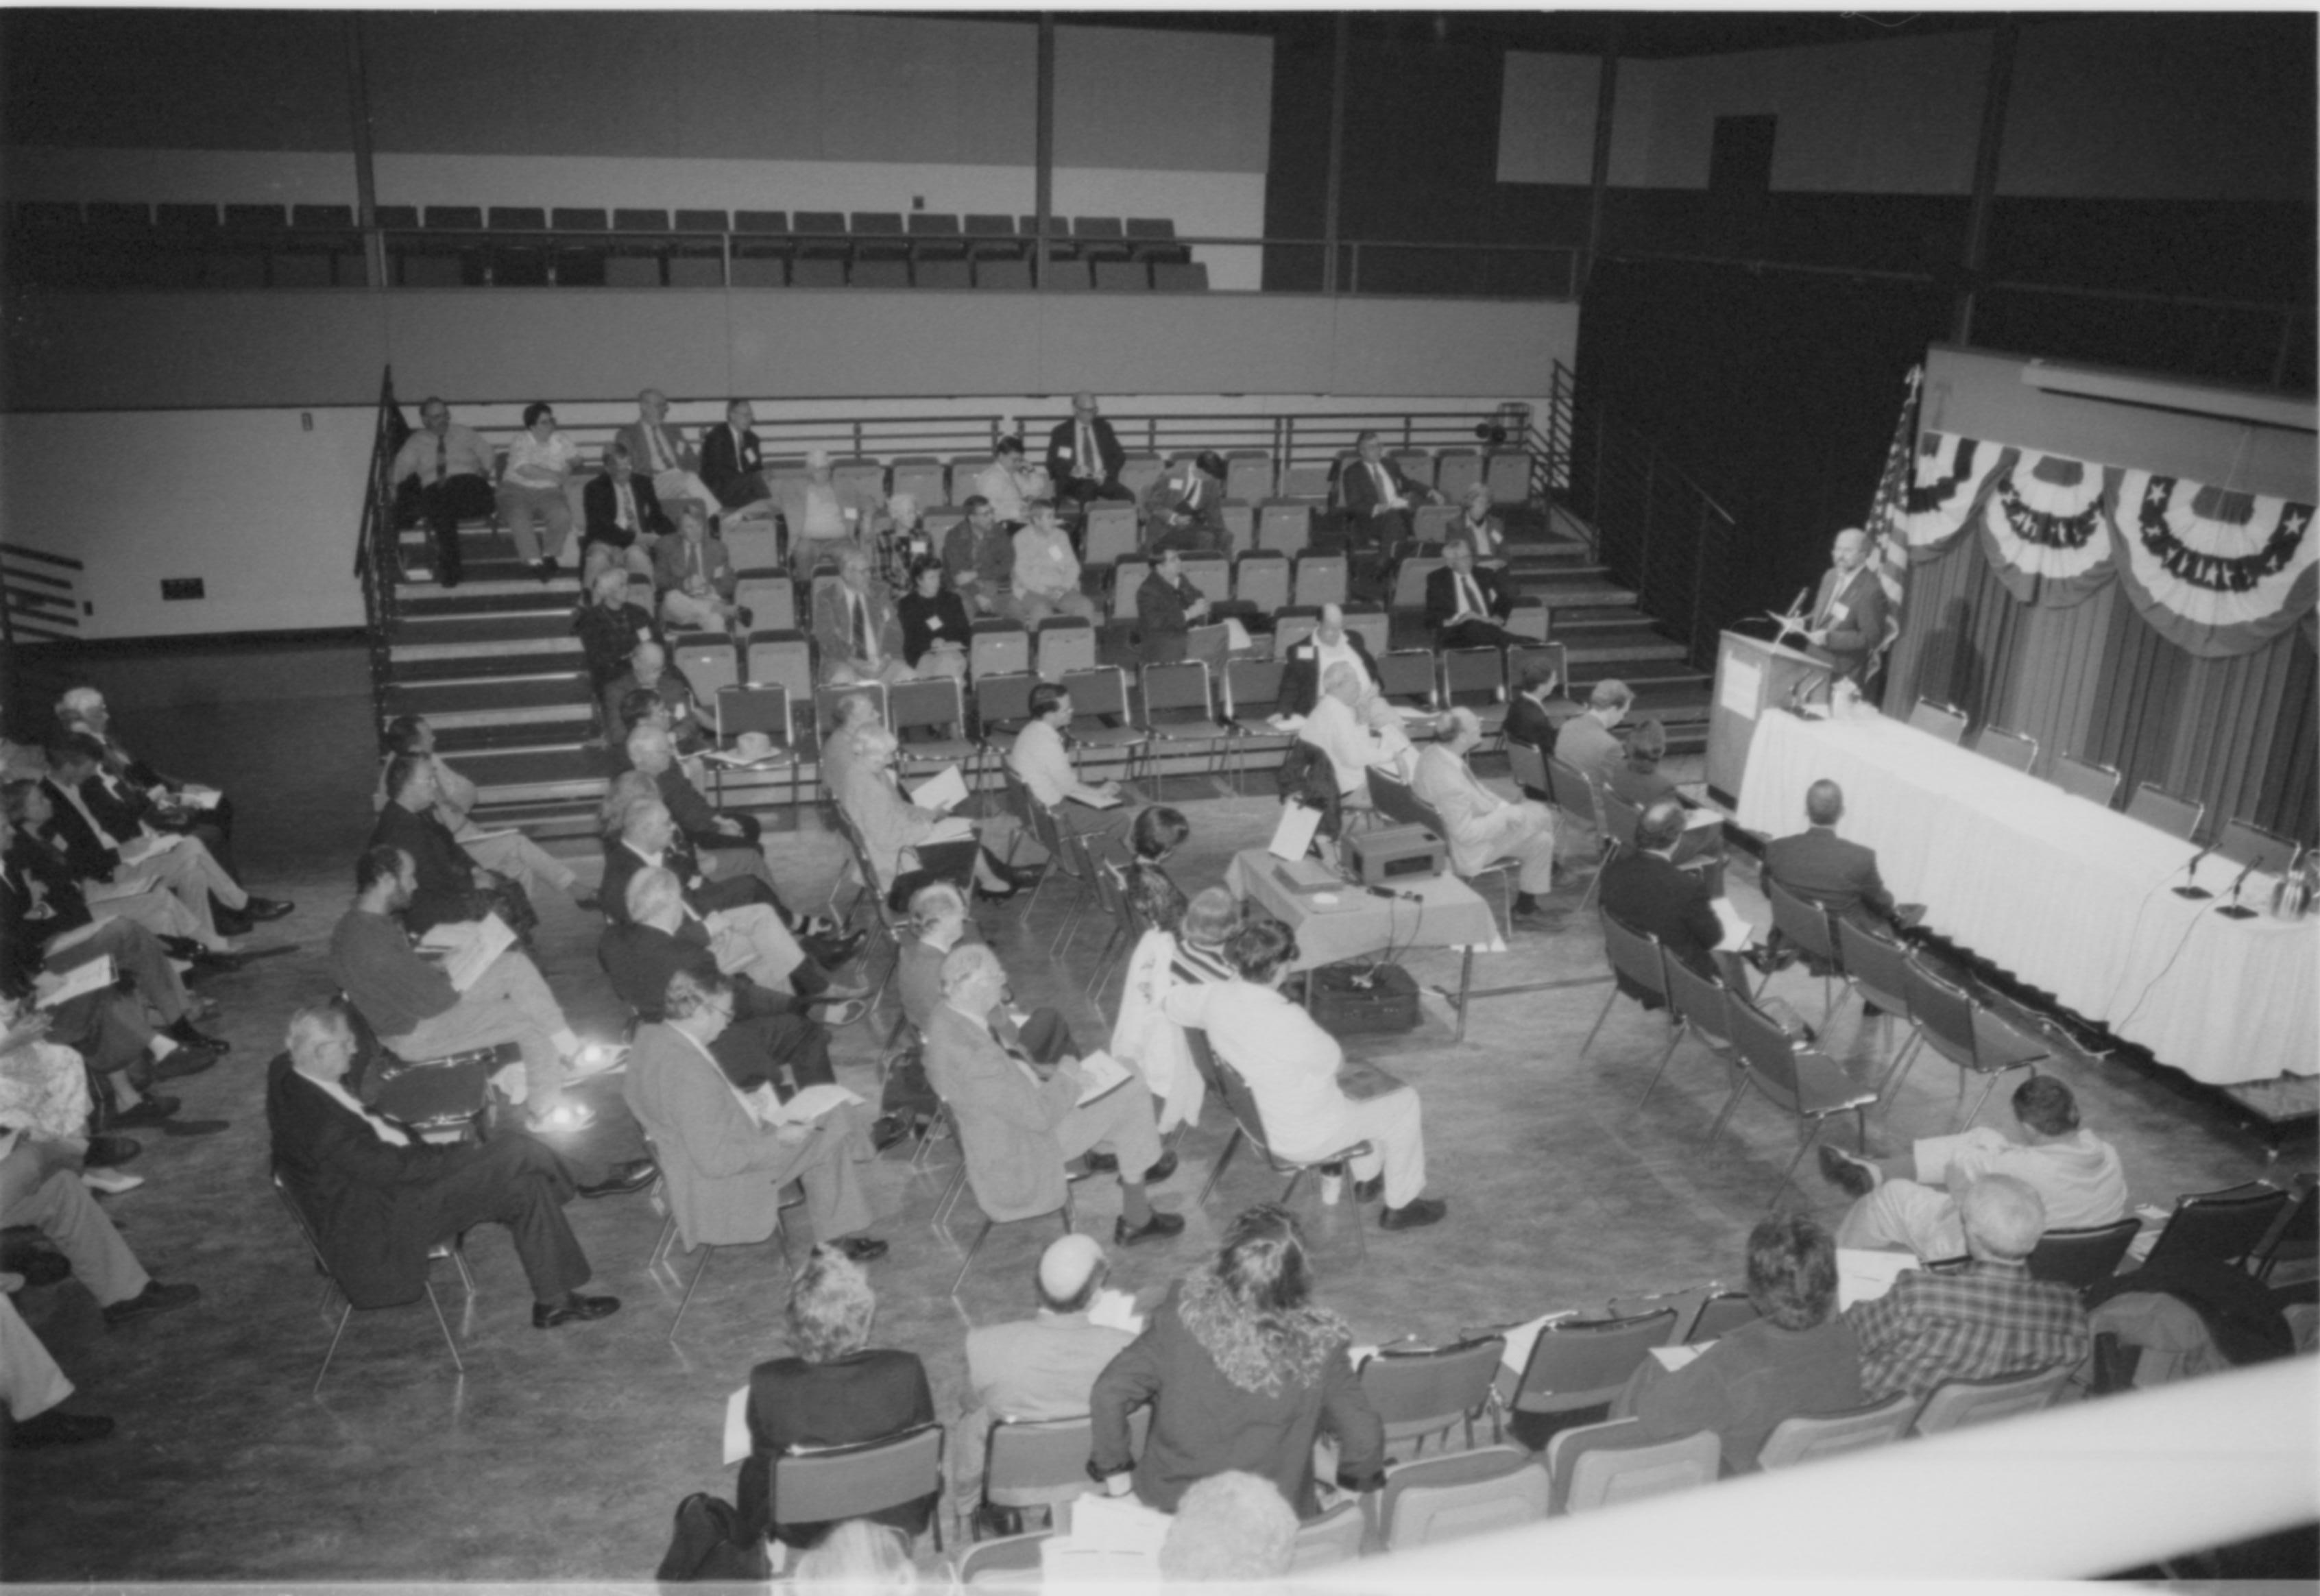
2235 909
2191 887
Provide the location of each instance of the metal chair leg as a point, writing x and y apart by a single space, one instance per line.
967 1262
1739 1087
1600 1018
1989 1084
1675 1040
659 1254
346 1311
949 1203
441 1324
692 1285
1804 1146
1232 1144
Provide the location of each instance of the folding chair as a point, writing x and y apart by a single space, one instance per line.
1253 689
1530 618
1063 644
2295 1237
1035 1462
1636 955
1876 968
1577 1366
1803 1082
1409 583
754 545
933 703
1527 765
739 710
1333 1537
1308 480
1723 1313
1178 709
1211 575
1399 802
1955 1404
1100 713
1127 577
1320 579
1939 719
1113 533
2083 778
769 597
2244 842
1966 1033
1475 679
1416 464
1261 579
964 1179
1506 473
998 649
2016 750
2221 1227
1406 678
1291 627
921 477
1702 1013
1285 526
1248 1124
1427 1392
1456 471
1806 1439
2083 1256
708 659
1439 1498
1139 472
1002 707
1805 923
330 1286
1601 1465
1372 627
855 1481
673 1232
782 660
1429 524
1014 1562
1575 795
1248 474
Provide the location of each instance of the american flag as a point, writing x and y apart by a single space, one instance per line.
1888 547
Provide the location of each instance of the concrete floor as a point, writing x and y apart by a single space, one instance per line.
562 1456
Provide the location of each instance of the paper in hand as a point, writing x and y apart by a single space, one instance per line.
1100 1073
945 789
95 975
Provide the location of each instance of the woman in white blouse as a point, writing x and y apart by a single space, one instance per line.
536 489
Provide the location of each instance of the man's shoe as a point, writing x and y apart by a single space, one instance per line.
1846 1173
153 1111
632 1176
156 1298
1370 1190
56 1427
106 1152
110 1183
596 1058
829 952
1099 1163
1411 1215
35 1263
887 1130
588 900
1161 1170
187 1060
1159 1228
862 1250
194 1126
563 1116
223 963
574 1308
261 909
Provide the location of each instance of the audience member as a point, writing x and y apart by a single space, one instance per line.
856 1558
902 542
1084 457
1009 486
1168 607
1310 658
1822 867
1993 1320
909 847
979 558
377 1198
52 854
611 630
1484 828
442 473
34 1388
503 850
935 627
938 923
622 517
727 1154
1338 727
1379 497
833 1389
1044 1366
1242 1372
1796 1358
1016 1125
693 573
1477 527
1468 604
1537 711
856 631
119 809
853 713
451 884
1046 574
164 802
135 857
726 844
651 690
1142 1034
1210 919
1044 766
536 488
1637 777
1185 508
41 1186
827 518
661 451
1646 891
1847 623
418 1013
1292 1066
1585 742
1234 1526
733 464
1912 1202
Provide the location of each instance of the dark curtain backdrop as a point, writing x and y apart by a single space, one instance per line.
2092 680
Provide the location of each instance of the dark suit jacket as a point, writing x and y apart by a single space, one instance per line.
601 507
702 895
446 872
1160 617
722 468
1650 894
353 1188
123 814
639 960
1300 681
875 1392
1065 436
86 854
1855 637
1442 595
1823 868
1164 504
1357 488
1532 723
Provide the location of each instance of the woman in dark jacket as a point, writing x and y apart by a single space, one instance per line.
934 622
1242 1372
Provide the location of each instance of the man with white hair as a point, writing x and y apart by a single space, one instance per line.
908 846
727 844
1484 828
1335 727
172 804
1047 574
1084 456
854 629
825 517
660 452
621 518
1993 1320
694 573
1310 658
1847 623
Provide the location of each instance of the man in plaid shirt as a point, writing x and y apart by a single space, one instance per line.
1993 1320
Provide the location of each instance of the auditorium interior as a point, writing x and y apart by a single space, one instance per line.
2030 296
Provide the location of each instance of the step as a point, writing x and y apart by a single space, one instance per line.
529 600
464 665
1621 644
514 736
562 692
436 630
532 774
1578 592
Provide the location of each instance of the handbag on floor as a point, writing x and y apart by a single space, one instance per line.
709 1543
1364 1000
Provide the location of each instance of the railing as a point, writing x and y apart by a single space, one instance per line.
378 553
1653 529
40 596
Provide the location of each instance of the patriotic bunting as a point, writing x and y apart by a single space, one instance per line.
1945 488
2213 573
2045 531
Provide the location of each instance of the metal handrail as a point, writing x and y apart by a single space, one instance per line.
377 557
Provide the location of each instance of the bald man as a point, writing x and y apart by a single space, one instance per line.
1847 622
1084 456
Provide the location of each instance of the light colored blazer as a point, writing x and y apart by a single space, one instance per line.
683 455
1006 1120
833 631
889 823
724 1173
1470 812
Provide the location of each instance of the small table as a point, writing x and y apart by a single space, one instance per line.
1443 912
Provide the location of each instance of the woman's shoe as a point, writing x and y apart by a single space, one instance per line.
984 894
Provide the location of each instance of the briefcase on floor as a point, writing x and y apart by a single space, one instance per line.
1360 999
438 1094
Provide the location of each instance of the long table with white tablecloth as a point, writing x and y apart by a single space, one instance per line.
2069 897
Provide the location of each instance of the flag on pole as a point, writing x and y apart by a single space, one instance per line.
1888 547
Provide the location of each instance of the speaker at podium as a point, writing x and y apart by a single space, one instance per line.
1752 677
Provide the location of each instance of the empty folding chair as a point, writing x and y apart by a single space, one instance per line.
1127 577
1261 579
869 1477
2016 750
2083 778
784 659
709 660
1293 626
1140 471
1065 643
1212 576
1253 689
1638 973
1430 1391
1249 474
1475 679
770 597
1507 473
1800 1081
1373 627
1100 712
1529 619
1416 464
1805 923
1406 680
2154 805
1240 524
1440 1499
1576 1367
998 649
1601 1465
1875 966
1409 583
1321 579
921 477
1286 525
1457 470
1967 1033
1002 707
1308 480
2244 842
1939 719
1179 713
1111 533
2221 1227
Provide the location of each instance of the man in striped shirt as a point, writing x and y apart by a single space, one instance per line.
1993 1320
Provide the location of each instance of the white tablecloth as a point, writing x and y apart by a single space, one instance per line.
2071 897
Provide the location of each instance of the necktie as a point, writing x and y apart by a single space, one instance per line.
693 556
628 507
1471 595
440 465
861 626
1087 451
656 448
1193 493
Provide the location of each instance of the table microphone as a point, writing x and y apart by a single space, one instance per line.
2235 909
2191 887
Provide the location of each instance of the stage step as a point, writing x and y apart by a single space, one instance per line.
1577 590
554 696
515 626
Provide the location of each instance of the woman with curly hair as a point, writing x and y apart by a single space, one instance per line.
1242 1372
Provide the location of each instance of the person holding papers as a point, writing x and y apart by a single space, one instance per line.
1846 626
910 844
420 1011
726 1153
1483 827
135 857
447 884
1468 604
1647 893
1045 766
1017 1124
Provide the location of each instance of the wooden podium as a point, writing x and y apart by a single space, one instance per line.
1751 677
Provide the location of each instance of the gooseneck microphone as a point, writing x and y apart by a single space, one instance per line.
2191 887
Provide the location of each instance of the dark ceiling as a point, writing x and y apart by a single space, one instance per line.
1648 33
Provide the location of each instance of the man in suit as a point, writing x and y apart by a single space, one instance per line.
979 560
121 809
724 1163
1822 867
1466 603
737 910
694 577
1536 712
1185 508
732 464
1648 894
826 517
451 884
1310 658
1084 456
443 473
82 816
1585 743
1484 828
377 1198
1017 1125
1379 497
1168 607
661 452
167 803
854 629
908 846
622 516
1847 623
